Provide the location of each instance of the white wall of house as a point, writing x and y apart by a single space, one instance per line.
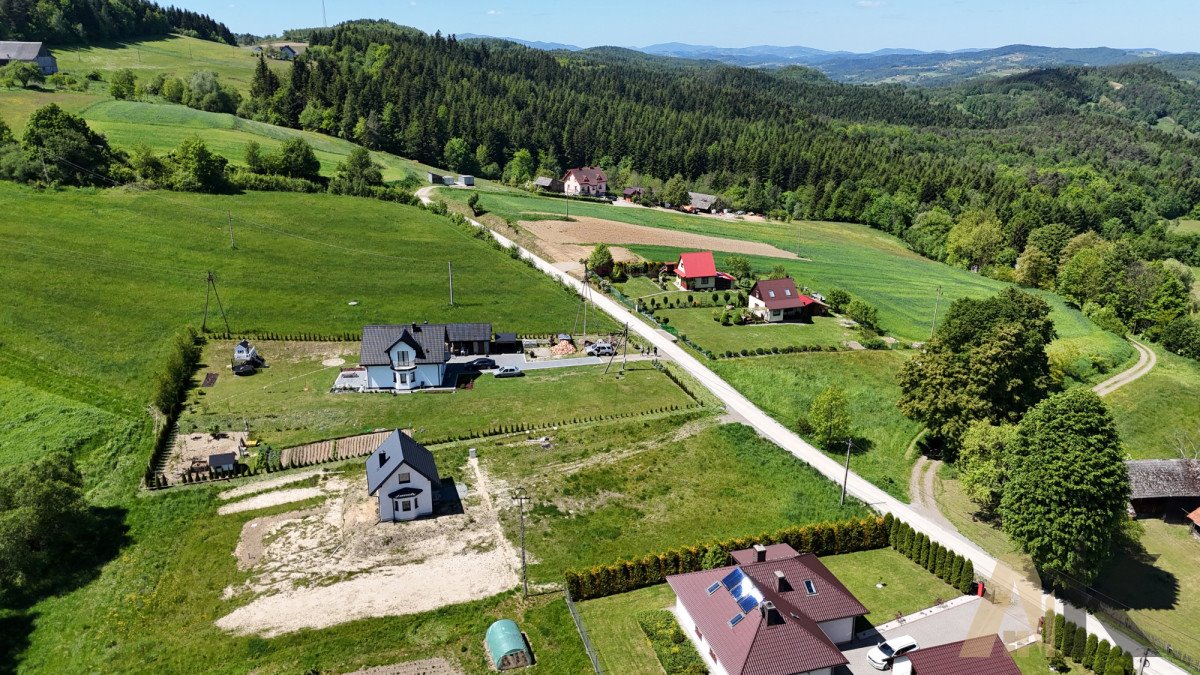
697 283
405 374
405 508
572 186
698 641
838 630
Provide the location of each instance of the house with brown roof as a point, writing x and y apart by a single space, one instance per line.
585 180
776 300
985 655
697 271
773 612
1164 488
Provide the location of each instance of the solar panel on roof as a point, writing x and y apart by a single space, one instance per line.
738 591
732 579
713 589
748 603
737 618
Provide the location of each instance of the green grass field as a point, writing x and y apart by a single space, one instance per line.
289 403
785 386
626 489
1035 660
95 281
623 648
699 327
1158 415
1185 226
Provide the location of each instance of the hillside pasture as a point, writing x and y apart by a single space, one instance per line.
94 282
1158 415
699 327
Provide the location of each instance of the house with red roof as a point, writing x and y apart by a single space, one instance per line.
585 180
698 272
775 300
985 655
773 612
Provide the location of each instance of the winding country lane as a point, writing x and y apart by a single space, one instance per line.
1145 363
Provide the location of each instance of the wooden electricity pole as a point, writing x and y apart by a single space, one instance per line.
846 476
450 268
229 219
520 496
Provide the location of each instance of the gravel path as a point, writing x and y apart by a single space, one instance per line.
269 484
270 499
1145 363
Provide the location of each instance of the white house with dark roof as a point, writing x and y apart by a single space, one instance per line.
585 180
403 475
405 357
773 611
33 52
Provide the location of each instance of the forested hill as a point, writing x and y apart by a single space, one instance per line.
76 21
1140 93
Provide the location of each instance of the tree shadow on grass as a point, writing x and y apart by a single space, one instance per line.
97 539
1133 581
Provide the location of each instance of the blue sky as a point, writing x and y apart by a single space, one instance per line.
855 25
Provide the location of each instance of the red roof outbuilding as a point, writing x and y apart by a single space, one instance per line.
983 655
696 265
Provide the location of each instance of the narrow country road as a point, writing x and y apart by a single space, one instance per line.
1002 576
1145 363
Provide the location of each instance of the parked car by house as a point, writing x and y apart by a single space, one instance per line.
509 371
600 349
883 654
482 364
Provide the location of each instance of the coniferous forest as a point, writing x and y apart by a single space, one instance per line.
77 21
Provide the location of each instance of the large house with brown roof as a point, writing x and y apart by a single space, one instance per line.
586 180
773 612
1164 488
985 655
776 300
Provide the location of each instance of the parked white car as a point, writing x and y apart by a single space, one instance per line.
508 371
883 654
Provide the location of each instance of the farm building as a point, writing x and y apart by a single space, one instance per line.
439 179
585 180
414 356
506 343
506 646
33 52
984 655
631 193
547 184
773 610
776 300
466 181
403 474
1164 488
698 272
1194 519
700 202
290 50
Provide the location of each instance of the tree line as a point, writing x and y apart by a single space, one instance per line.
76 21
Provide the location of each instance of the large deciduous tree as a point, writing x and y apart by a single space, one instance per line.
1067 488
358 175
68 150
829 417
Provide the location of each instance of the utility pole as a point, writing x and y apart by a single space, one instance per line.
324 19
229 219
587 293
936 305
450 267
212 288
520 496
846 476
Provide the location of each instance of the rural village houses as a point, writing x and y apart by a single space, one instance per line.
697 271
776 300
404 357
33 52
404 475
587 180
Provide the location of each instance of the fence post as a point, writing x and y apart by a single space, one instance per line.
587 644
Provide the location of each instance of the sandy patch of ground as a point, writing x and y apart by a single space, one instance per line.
270 499
337 563
335 361
425 667
254 533
567 242
198 445
269 484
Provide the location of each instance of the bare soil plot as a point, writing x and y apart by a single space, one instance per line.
568 241
322 451
269 499
337 563
269 484
197 446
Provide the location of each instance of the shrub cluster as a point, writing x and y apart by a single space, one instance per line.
1086 649
947 565
675 653
829 538
786 349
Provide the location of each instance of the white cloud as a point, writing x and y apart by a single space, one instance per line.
493 12
870 4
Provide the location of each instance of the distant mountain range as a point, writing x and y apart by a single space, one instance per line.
910 66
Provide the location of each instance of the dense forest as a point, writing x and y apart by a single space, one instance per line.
75 21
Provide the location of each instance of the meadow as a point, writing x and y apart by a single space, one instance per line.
699 327
1169 393
289 402
95 281
627 488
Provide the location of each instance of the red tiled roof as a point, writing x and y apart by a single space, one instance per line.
1194 516
696 265
780 294
587 174
984 655
795 645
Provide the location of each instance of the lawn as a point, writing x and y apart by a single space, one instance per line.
289 402
785 387
1185 226
1034 660
699 327
964 514
1170 392
94 282
628 488
623 648
1158 587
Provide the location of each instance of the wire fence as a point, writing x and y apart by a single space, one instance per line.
583 634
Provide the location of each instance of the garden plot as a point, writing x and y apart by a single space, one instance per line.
336 563
198 445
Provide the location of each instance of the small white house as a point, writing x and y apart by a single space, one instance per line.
403 474
586 180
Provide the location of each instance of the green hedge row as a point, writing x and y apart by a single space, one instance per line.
947 565
1084 648
847 536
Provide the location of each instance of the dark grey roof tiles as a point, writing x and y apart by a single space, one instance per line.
399 448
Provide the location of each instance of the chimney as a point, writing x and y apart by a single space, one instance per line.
414 326
772 615
382 458
760 553
782 585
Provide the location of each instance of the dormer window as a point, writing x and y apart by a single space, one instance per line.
771 293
